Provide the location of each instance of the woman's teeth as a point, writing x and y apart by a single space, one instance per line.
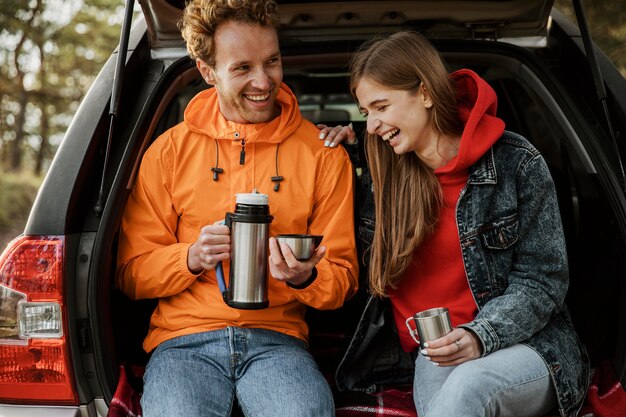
390 134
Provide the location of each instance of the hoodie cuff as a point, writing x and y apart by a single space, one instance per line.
306 283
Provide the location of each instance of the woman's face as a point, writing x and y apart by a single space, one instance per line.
399 117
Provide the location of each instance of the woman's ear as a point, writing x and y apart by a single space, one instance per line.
206 71
428 101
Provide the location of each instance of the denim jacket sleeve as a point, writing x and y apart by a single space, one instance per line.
529 252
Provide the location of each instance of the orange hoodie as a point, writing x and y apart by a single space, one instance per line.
175 196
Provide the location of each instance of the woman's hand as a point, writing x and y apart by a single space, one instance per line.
456 347
333 136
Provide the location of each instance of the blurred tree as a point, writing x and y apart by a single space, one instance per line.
51 50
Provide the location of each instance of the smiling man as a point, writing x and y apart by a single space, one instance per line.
244 134
246 71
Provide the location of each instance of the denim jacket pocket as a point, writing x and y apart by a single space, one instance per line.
497 239
501 234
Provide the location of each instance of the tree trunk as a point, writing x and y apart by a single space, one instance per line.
16 151
44 128
16 145
42 153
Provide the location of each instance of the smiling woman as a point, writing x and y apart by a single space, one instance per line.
475 227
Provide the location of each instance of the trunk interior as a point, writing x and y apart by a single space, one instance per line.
529 103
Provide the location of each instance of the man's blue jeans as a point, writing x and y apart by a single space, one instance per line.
271 373
513 381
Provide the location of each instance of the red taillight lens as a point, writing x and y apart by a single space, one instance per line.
34 357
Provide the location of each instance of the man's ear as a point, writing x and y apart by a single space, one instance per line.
206 71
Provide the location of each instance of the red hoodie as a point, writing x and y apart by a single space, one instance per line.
436 277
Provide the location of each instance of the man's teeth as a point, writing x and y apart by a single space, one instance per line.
261 97
390 134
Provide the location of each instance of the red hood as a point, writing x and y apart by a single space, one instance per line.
477 108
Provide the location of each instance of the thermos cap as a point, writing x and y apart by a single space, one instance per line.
255 199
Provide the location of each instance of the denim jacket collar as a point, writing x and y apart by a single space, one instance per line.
484 170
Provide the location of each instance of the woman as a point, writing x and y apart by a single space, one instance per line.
466 218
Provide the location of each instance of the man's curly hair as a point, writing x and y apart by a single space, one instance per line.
201 19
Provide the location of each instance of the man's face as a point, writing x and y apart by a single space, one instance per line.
247 73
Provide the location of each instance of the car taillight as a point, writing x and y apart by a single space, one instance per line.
34 357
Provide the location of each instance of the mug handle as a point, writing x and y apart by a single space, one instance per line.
221 283
411 331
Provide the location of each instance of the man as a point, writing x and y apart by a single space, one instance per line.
250 131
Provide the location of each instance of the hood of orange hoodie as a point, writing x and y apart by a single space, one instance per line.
478 103
203 115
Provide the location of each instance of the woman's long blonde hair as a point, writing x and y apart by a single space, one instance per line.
407 194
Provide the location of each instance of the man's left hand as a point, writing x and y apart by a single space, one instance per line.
285 267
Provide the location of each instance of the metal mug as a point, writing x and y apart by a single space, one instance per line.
430 324
302 246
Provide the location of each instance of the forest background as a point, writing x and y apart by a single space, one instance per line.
52 50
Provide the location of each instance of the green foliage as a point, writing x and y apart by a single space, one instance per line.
17 194
50 53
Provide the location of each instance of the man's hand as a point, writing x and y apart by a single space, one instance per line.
211 247
285 267
333 136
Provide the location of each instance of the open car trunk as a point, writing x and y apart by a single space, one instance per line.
544 106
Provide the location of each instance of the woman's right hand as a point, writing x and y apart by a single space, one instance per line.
333 136
458 346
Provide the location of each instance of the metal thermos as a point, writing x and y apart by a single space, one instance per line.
249 232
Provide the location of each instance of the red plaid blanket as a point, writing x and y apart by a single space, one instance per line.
125 402
606 398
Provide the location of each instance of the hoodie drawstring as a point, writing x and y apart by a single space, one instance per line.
216 169
276 179
242 154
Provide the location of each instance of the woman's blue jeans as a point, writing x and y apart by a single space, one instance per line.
513 381
270 373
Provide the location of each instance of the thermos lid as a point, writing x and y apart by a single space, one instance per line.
256 199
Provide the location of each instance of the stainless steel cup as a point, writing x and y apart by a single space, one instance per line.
430 324
302 246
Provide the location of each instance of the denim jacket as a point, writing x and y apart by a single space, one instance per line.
515 260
